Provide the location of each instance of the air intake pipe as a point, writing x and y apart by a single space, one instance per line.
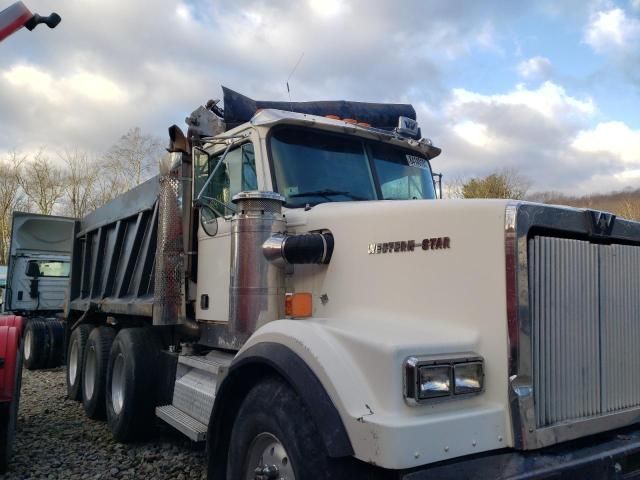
257 287
306 248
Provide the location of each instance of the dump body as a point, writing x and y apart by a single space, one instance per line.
114 254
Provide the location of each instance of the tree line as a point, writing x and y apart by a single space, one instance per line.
509 184
72 182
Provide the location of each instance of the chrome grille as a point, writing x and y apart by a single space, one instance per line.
585 303
620 307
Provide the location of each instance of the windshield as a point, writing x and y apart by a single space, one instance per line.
51 268
313 167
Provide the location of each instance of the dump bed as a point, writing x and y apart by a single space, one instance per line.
114 255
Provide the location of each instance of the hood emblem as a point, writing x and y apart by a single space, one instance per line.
434 243
600 224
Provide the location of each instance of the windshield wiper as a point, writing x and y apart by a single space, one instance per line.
327 193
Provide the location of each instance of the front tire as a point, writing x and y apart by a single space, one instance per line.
75 357
131 383
94 374
274 427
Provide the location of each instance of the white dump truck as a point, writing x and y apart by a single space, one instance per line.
38 282
292 291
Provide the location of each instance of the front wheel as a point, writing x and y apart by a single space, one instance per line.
274 436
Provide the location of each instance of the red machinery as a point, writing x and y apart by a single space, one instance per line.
10 383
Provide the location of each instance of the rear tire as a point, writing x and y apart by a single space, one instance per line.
94 371
131 383
75 357
35 344
55 331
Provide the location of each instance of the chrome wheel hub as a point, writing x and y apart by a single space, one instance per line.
267 459
73 362
90 372
117 384
28 338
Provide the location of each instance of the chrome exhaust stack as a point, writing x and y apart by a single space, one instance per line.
256 290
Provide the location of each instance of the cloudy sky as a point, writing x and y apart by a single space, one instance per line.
548 88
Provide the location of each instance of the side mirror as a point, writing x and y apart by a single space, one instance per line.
33 270
209 220
34 291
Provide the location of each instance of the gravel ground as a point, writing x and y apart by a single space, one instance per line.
55 440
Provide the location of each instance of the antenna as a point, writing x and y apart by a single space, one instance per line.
291 74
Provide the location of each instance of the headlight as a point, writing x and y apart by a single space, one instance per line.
435 381
468 378
437 377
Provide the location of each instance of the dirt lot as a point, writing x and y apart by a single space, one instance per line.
56 441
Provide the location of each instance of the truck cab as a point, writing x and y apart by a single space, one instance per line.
37 283
309 160
39 264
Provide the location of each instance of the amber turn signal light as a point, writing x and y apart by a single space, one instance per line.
298 305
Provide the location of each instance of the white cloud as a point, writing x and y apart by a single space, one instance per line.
550 100
534 68
474 133
635 4
545 134
183 13
36 81
611 29
41 83
611 137
328 8
94 87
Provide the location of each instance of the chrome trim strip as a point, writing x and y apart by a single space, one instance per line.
520 219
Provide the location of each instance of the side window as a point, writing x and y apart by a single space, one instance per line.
236 174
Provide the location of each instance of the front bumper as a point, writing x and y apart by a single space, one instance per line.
613 455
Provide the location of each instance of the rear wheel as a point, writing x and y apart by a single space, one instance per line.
55 333
75 355
94 371
35 344
131 383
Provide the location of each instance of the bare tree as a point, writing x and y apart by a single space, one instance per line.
11 198
80 182
132 160
42 182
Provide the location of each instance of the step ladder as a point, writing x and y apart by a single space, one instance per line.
194 393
